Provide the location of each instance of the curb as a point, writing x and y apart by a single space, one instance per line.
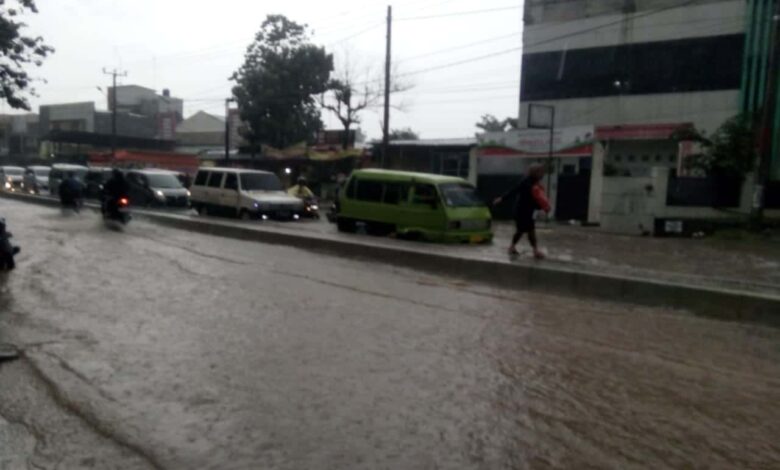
726 304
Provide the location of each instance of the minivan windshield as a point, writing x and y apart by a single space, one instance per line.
163 181
43 172
460 195
260 182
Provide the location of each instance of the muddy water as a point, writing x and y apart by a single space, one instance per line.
202 352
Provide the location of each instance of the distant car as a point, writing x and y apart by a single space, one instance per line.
11 177
58 173
248 194
160 188
36 179
94 181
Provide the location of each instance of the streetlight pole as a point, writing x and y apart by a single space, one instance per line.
114 73
227 128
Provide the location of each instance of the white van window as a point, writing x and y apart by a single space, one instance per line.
260 182
200 179
231 182
215 180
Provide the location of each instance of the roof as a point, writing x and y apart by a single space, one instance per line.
232 170
406 175
201 122
466 141
68 166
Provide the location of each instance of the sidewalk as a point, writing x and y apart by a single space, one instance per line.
751 264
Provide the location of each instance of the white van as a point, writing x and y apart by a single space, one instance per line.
248 194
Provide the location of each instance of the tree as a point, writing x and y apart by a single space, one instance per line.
352 92
404 134
18 50
490 123
731 151
277 84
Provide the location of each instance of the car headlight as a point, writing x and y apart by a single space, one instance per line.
7 185
159 194
314 207
188 193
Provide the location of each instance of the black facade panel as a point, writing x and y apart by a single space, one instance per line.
687 65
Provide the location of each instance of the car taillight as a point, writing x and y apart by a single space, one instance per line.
123 201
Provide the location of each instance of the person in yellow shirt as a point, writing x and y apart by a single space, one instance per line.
300 190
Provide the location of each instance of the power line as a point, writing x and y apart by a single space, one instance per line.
544 41
463 46
460 13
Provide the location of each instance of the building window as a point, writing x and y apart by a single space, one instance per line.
672 158
645 158
697 64
631 158
658 157
618 157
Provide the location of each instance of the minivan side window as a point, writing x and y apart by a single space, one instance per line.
200 179
351 188
368 190
395 193
215 179
424 194
231 181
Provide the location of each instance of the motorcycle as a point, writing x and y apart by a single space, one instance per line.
310 208
7 250
117 211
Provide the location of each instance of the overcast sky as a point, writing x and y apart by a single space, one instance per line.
192 46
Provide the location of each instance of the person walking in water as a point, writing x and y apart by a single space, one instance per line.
530 197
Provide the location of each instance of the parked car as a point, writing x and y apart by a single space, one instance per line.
94 180
415 205
160 188
36 179
58 173
11 177
248 194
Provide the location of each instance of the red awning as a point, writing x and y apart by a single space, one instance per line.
640 131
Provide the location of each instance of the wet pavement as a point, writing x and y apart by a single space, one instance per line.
166 349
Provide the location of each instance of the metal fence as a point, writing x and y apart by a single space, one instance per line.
712 191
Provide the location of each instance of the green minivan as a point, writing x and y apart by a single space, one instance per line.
413 205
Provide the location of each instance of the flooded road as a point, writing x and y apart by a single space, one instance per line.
192 351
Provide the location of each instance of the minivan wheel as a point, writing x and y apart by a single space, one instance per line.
245 215
345 225
378 229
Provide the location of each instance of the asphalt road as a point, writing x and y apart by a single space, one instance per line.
157 348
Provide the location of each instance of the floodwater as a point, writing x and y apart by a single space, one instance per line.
192 351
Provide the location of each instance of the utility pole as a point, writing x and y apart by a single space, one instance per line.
227 127
114 73
386 124
767 120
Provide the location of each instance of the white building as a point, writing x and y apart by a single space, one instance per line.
616 62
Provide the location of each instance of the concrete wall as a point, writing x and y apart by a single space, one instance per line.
631 204
706 110
126 124
551 11
73 116
699 20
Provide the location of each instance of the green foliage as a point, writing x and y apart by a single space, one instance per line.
730 151
277 84
18 50
404 134
490 123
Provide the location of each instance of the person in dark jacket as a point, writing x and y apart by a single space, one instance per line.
7 250
71 191
530 197
115 188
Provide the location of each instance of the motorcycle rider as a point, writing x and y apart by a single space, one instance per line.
300 190
71 191
115 188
